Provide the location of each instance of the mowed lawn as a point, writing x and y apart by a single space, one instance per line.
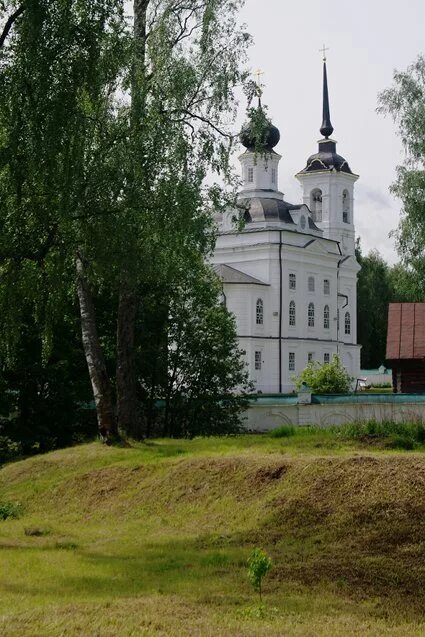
153 539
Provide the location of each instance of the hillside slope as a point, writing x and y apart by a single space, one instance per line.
153 540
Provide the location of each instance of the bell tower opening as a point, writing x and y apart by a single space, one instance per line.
345 207
316 201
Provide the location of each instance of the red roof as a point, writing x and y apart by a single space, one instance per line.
406 331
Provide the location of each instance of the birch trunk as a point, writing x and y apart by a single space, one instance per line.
100 382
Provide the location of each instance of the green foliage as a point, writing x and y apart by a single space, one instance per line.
83 166
285 431
373 295
395 435
9 510
259 564
378 285
194 363
404 102
9 449
326 378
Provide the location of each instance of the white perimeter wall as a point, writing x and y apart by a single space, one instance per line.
267 417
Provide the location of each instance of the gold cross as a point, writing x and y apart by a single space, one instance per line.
323 51
258 75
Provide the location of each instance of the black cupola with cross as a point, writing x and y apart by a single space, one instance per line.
326 158
258 134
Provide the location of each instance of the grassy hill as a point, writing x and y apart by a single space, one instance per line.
153 539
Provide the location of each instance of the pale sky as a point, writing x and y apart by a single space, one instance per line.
368 39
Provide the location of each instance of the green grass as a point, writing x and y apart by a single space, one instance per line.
153 539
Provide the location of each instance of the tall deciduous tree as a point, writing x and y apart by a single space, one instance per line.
59 68
106 135
404 102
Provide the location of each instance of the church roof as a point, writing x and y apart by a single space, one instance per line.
406 331
267 209
327 159
231 275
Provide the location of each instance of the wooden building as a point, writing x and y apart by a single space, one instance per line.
406 346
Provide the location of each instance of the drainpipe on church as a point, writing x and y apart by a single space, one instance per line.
280 311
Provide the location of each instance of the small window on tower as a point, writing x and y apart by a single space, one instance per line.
274 174
311 283
291 362
310 357
326 287
345 207
250 175
292 281
316 205
326 357
258 360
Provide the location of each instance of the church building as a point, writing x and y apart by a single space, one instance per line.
290 275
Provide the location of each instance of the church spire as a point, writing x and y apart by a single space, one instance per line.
326 128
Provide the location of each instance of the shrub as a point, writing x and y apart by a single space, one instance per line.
259 564
402 442
9 449
329 378
285 431
9 510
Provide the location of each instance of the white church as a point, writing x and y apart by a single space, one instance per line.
290 276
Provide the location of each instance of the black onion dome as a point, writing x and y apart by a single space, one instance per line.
327 159
269 139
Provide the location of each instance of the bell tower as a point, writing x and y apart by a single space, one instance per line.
328 184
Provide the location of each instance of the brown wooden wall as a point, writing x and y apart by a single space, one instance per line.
408 376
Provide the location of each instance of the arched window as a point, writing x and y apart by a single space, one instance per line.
326 317
250 175
311 283
326 287
346 207
259 312
347 323
311 314
316 205
292 314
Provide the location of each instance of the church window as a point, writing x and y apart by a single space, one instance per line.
291 362
274 174
316 205
292 281
311 314
326 357
347 323
326 317
259 312
310 357
311 283
292 314
345 207
326 287
250 175
258 360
